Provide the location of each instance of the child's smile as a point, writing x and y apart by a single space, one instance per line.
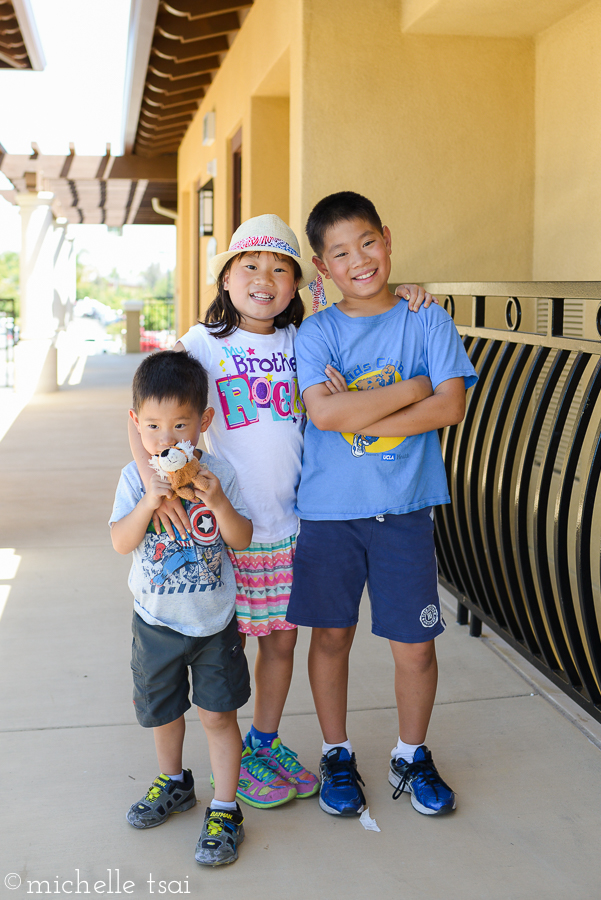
261 286
356 257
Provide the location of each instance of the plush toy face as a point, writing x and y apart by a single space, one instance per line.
173 458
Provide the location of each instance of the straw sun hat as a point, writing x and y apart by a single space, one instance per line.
271 234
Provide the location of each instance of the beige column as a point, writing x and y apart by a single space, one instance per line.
133 309
35 354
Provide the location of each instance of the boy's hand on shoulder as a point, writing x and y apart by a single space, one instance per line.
415 295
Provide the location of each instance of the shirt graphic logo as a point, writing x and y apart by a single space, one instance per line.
369 381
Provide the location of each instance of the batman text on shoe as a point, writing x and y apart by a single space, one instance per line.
430 795
221 835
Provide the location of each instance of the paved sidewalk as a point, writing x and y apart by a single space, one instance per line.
74 759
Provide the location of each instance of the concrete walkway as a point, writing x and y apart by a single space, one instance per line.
74 758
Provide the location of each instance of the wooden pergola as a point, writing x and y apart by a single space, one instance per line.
174 49
96 190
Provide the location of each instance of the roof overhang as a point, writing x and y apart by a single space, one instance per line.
96 190
175 48
20 46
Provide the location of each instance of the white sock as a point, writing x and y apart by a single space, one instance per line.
179 777
224 804
405 751
346 744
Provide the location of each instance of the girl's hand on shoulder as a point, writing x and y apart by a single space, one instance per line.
336 383
171 512
415 296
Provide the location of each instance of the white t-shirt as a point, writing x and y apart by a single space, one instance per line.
259 420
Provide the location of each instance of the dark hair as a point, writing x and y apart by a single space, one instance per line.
170 375
340 207
223 318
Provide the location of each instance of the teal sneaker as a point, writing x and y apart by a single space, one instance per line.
288 767
260 783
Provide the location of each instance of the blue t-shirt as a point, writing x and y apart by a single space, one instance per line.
356 476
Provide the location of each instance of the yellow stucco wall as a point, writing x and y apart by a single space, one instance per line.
567 243
438 131
331 95
251 91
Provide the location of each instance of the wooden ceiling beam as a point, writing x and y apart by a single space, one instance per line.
186 31
163 131
170 122
159 113
160 102
192 9
167 48
167 68
169 101
183 85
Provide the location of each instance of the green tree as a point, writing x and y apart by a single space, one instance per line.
9 276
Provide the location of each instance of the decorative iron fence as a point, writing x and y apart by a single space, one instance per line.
9 336
157 330
519 546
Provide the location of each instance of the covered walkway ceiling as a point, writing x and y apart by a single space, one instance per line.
171 65
96 190
174 49
20 46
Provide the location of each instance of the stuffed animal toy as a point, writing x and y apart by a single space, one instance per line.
179 466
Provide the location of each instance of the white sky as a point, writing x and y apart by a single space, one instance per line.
78 98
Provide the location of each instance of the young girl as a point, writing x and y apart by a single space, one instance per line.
246 345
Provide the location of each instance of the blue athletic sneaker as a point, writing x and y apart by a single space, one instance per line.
340 794
429 793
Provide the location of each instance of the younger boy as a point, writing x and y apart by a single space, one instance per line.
366 495
184 596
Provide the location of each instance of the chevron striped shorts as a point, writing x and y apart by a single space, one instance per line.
263 583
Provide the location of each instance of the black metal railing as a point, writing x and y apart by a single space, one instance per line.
9 337
158 324
519 546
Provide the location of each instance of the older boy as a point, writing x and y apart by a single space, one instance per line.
184 597
366 495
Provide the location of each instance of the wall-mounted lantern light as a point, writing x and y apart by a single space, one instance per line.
205 209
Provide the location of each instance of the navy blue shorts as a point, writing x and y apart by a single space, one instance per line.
396 558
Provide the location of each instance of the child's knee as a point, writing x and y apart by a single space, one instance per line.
332 641
278 644
417 657
216 721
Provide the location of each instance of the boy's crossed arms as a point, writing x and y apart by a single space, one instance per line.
404 408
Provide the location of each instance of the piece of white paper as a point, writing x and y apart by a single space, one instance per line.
368 823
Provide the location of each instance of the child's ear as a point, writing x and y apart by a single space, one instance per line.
207 418
135 420
387 238
321 266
